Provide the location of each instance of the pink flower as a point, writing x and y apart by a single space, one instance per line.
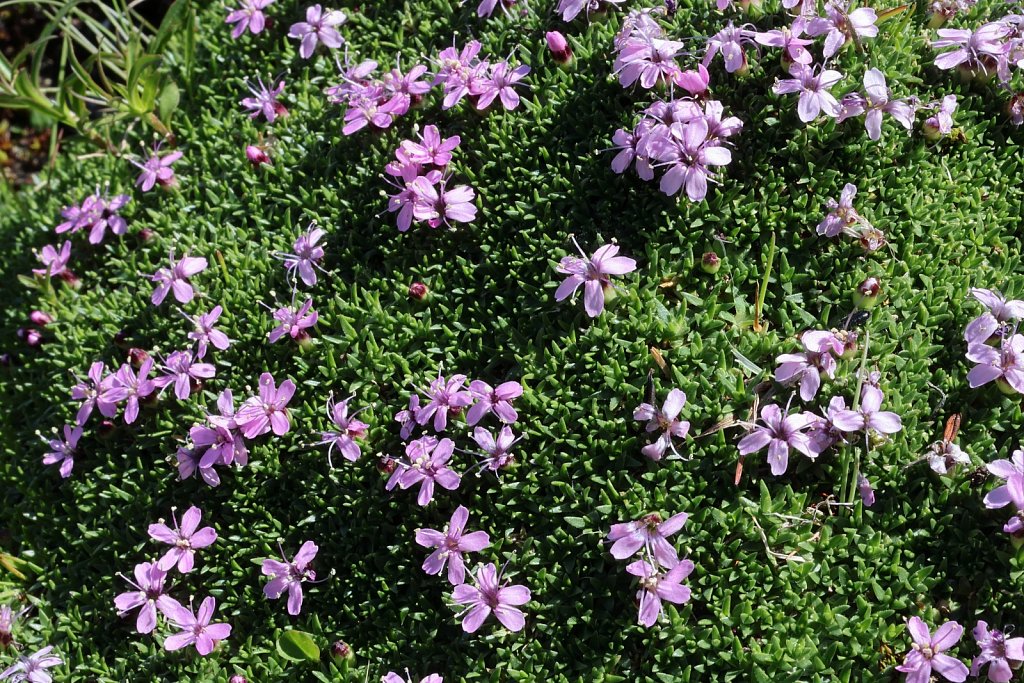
447 397
806 368
496 451
451 544
926 655
730 42
593 273
788 38
1004 364
973 48
813 87
185 540
249 17
426 463
156 169
306 255
205 334
32 668
319 27
392 677
666 421
1002 654
63 451
88 391
148 595
180 369
497 400
197 629
432 148
1000 311
347 430
442 206
839 25
656 586
189 465
694 82
499 83
290 576
175 279
649 533
294 322
55 262
490 595
259 414
1004 469
877 98
408 418
128 385
779 433
868 416
264 101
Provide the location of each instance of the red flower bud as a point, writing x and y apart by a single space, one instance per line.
560 49
40 319
418 291
256 156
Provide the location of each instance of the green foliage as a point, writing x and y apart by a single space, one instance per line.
786 588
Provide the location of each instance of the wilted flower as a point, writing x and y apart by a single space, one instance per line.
348 430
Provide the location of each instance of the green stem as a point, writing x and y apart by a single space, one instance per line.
763 291
846 492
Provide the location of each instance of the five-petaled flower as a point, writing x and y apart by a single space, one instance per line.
63 451
779 433
665 421
184 540
148 596
649 533
657 585
196 629
491 595
175 278
450 544
267 411
1003 655
320 26
426 463
926 654
346 432
594 273
285 575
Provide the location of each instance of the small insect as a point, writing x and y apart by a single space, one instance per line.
857 319
978 476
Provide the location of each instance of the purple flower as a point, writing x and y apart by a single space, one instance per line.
348 430
88 391
185 540
647 60
807 367
868 416
694 82
842 217
32 668
128 385
490 595
447 396
974 49
306 255
148 595
156 169
319 27
63 450
97 213
368 109
496 451
941 122
407 417
876 100
730 42
813 87
432 148
688 149
259 414
426 463
780 432
666 421
1005 364
180 369
497 400
442 206
867 493
7 619
405 89
450 544
1004 469
248 17
294 322
788 38
839 26
499 83
175 278
1002 654
925 656
456 71
1015 492
392 677
189 461
594 273
205 334
650 533
290 576
222 442
1000 311
823 432
197 629
264 101
570 9
656 586
55 262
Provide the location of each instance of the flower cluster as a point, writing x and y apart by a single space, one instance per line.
927 657
376 103
96 213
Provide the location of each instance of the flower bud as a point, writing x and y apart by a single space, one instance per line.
386 464
238 678
105 429
560 49
30 336
340 651
710 263
71 279
418 291
6 360
930 128
849 339
867 293
136 357
1005 387
40 319
146 235
1015 108
256 156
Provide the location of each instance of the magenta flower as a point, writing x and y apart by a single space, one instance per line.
1004 469
593 273
197 629
189 461
408 418
156 169
666 421
221 441
55 262
294 322
807 367
447 397
148 595
32 668
405 89
490 595
175 279
63 451
867 493
496 451
249 17
868 416
780 433
499 83
443 206
1000 311
649 533
259 414
450 544
788 38
1002 654
88 392
647 60
290 576
392 677
319 27
432 148
1004 364
497 400
656 586
570 9
688 150
426 463
926 654
348 430
941 122
180 369
306 255
694 82
264 101
813 87
877 98
185 539
127 385
205 335
839 26
456 71
96 213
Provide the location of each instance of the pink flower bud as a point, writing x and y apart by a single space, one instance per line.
560 49
137 357
418 291
238 678
30 336
146 235
40 319
867 293
341 651
694 82
710 262
256 156
386 465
